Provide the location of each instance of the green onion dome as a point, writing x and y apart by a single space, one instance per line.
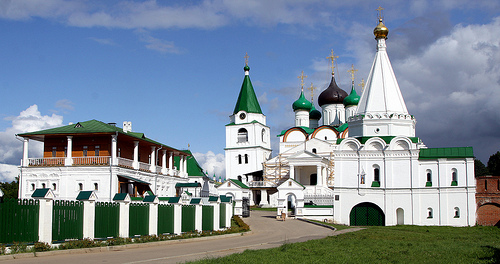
314 114
302 103
352 99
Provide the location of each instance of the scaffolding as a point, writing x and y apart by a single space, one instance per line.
276 172
331 171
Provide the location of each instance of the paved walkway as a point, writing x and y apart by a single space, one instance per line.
267 232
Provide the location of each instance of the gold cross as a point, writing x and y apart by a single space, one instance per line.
246 58
332 58
362 84
302 77
379 9
312 88
352 71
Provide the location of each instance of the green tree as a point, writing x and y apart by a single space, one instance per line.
10 189
494 164
479 168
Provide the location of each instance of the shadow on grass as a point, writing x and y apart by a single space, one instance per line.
495 257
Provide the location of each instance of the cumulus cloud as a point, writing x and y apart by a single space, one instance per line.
452 86
212 163
11 148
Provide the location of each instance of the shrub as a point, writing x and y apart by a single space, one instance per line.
84 243
18 248
41 246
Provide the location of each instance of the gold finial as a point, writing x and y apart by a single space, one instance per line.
312 88
362 84
352 71
189 146
302 77
380 15
246 58
333 58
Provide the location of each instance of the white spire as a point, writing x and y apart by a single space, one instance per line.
382 94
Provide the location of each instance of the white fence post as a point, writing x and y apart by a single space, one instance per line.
88 198
229 214
216 204
177 219
124 200
45 199
198 217
153 213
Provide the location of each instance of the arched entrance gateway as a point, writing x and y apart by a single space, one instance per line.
367 214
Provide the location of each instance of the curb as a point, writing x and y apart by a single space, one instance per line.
116 248
318 224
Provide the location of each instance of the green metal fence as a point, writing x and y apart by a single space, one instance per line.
107 219
67 220
188 218
139 219
207 218
19 220
222 219
165 219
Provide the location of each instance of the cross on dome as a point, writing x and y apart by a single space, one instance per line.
333 59
362 84
380 15
302 77
246 58
312 88
352 71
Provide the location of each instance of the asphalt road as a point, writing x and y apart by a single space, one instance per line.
267 232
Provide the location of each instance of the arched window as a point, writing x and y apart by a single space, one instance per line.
246 158
454 177
428 183
239 178
54 186
429 213
314 150
80 186
263 135
239 159
97 149
43 185
96 186
242 135
32 186
457 212
376 176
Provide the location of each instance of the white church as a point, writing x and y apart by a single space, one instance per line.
361 165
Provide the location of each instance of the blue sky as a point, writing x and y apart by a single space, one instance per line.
174 68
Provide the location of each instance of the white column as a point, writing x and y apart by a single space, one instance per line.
216 216
136 155
88 219
69 151
152 162
292 172
114 157
170 162
229 214
45 220
164 161
25 152
123 226
198 219
319 176
263 197
181 166
185 166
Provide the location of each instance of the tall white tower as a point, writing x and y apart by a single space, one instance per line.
248 139
381 109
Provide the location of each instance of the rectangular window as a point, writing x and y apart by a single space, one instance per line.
85 149
485 185
97 148
54 152
65 151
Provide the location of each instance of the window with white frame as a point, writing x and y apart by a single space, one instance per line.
242 135
429 213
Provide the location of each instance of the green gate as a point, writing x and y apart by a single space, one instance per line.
19 220
107 219
207 218
367 214
139 219
222 219
165 219
67 220
188 218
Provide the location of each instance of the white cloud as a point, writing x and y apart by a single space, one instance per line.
156 44
212 163
65 105
11 148
104 41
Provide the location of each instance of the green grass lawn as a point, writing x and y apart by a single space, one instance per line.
397 244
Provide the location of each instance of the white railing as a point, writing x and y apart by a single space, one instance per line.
144 166
125 163
42 162
158 169
261 184
91 160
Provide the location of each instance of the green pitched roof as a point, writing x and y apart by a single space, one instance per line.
119 196
193 167
213 198
225 199
195 201
84 195
174 199
247 100
239 183
88 127
451 153
187 184
39 193
149 198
